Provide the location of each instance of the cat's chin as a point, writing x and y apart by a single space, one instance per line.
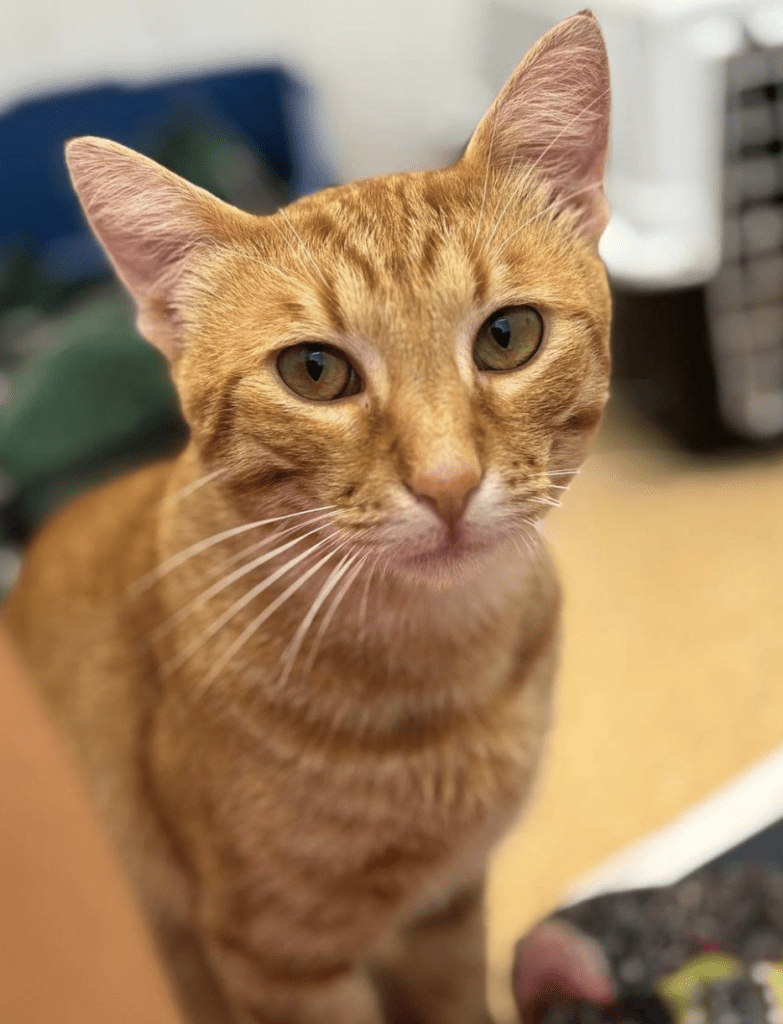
443 567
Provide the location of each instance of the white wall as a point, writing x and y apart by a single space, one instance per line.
395 78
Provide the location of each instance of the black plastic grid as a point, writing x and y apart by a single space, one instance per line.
746 297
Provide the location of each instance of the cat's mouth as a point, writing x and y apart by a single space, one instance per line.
451 558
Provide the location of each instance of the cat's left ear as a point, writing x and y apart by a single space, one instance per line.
552 119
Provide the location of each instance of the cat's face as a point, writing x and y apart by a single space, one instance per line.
431 376
424 357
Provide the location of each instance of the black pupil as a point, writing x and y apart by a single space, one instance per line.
314 364
501 331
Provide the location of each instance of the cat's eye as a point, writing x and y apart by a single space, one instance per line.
509 338
317 372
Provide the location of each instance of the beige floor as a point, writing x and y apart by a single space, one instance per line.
672 672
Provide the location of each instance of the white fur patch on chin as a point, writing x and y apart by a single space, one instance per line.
444 566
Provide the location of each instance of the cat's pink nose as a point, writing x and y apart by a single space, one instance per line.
448 486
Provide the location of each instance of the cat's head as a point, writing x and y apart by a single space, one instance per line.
426 355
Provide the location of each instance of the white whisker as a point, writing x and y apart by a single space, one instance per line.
198 642
551 208
292 650
174 561
305 250
259 620
527 554
243 554
528 540
553 502
190 488
206 595
299 275
522 181
366 597
255 257
266 541
327 619
486 182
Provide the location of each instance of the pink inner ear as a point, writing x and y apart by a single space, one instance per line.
552 116
149 221
146 218
563 132
148 259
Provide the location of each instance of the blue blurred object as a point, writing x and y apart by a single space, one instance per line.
82 397
39 212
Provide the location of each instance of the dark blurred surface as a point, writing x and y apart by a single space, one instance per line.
661 356
687 952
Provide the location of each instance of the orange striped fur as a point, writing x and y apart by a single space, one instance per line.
305 735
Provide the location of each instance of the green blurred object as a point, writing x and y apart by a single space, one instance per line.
95 400
85 397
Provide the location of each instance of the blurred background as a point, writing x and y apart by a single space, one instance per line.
668 749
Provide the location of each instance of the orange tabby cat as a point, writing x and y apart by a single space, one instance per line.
307 665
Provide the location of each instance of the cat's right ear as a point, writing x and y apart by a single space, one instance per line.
150 222
551 121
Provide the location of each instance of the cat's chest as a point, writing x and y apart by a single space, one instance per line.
414 799
423 829
430 754
399 780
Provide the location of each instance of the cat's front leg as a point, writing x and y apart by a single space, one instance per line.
435 971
